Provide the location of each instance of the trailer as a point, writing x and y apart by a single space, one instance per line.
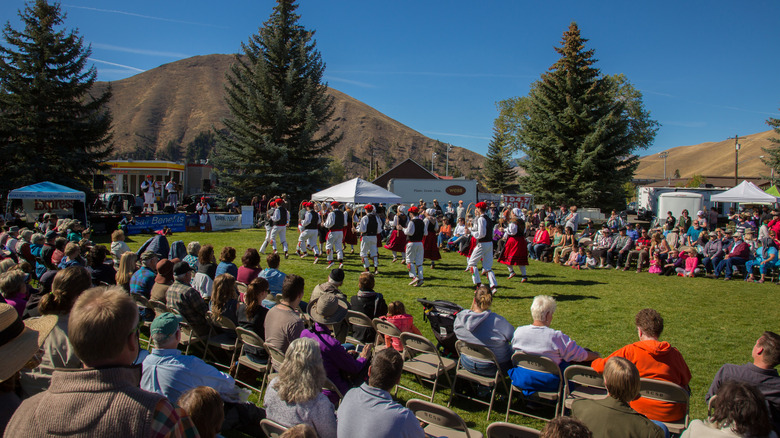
648 198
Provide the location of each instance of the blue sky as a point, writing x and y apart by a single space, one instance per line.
708 69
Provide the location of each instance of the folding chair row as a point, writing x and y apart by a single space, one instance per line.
441 421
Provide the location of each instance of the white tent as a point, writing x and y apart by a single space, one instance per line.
745 192
48 191
357 191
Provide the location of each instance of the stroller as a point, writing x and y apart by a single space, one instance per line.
441 315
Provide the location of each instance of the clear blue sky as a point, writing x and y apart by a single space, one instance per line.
707 69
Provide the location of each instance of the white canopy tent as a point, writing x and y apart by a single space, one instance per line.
357 191
745 192
48 191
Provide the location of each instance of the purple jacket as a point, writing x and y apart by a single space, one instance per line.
335 358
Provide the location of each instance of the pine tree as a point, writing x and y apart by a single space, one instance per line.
275 140
580 131
51 127
773 160
498 174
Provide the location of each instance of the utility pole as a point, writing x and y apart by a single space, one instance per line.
447 165
736 160
433 157
664 155
371 163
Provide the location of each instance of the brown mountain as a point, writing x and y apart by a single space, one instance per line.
178 101
711 159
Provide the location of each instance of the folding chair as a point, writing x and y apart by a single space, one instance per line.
441 421
711 405
501 429
422 359
188 335
359 320
277 357
533 362
141 301
225 341
669 392
246 337
330 386
383 328
159 307
481 353
581 382
241 288
272 429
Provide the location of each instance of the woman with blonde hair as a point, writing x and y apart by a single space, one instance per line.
127 267
224 299
295 395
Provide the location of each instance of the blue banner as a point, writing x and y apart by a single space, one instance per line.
150 224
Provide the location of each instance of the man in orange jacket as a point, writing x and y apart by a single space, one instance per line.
654 360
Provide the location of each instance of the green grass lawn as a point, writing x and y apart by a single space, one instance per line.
711 322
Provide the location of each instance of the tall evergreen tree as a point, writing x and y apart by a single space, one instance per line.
51 127
773 160
275 139
580 131
498 173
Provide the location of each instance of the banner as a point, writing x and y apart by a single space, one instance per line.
150 224
518 201
225 221
247 216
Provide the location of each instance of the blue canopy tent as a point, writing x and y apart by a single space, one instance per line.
48 191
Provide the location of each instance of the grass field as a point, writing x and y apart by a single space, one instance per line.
711 322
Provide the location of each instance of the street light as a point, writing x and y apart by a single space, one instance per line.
433 157
447 165
664 155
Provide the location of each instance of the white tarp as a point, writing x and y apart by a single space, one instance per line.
745 192
47 190
357 191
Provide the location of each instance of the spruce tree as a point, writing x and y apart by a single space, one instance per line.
275 141
497 172
51 126
579 135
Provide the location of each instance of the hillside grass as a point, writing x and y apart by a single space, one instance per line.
711 322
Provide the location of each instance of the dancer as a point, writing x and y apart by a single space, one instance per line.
308 237
430 241
173 193
483 232
397 241
369 227
350 237
335 225
202 209
278 227
147 187
416 231
516 248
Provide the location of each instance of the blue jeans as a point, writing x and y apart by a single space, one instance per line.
486 369
727 265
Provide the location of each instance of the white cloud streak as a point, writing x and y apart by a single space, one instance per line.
140 51
117 65
432 73
349 81
148 17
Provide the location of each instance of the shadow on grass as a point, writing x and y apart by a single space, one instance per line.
567 282
558 297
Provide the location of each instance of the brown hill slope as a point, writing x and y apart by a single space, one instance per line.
178 101
711 159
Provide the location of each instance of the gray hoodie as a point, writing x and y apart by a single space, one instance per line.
488 329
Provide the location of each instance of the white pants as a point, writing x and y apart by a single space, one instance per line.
335 244
148 198
483 251
414 258
277 232
368 249
308 239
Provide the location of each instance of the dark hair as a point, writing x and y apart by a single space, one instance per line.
206 409
366 281
224 291
252 296
396 308
251 258
228 254
650 321
741 407
60 242
205 255
386 369
67 285
272 260
565 427
97 255
770 342
292 288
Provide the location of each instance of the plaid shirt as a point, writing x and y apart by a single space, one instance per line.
142 281
170 422
190 304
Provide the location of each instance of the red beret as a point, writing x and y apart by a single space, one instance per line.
481 205
369 207
414 209
334 204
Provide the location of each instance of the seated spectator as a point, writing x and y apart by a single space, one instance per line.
612 416
340 366
186 300
295 395
21 340
193 249
460 236
72 256
655 360
251 316
283 322
274 276
143 279
47 252
102 272
737 255
761 374
601 245
691 266
371 407
565 427
178 250
618 251
102 399
674 261
57 350
641 252
692 234
370 303
478 325
226 265
540 243
127 267
561 252
206 263
712 252
445 233
13 286
538 338
396 315
205 408
335 280
118 246
739 411
250 266
224 301
766 258
168 372
162 281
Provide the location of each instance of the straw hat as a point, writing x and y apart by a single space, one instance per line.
328 309
20 340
